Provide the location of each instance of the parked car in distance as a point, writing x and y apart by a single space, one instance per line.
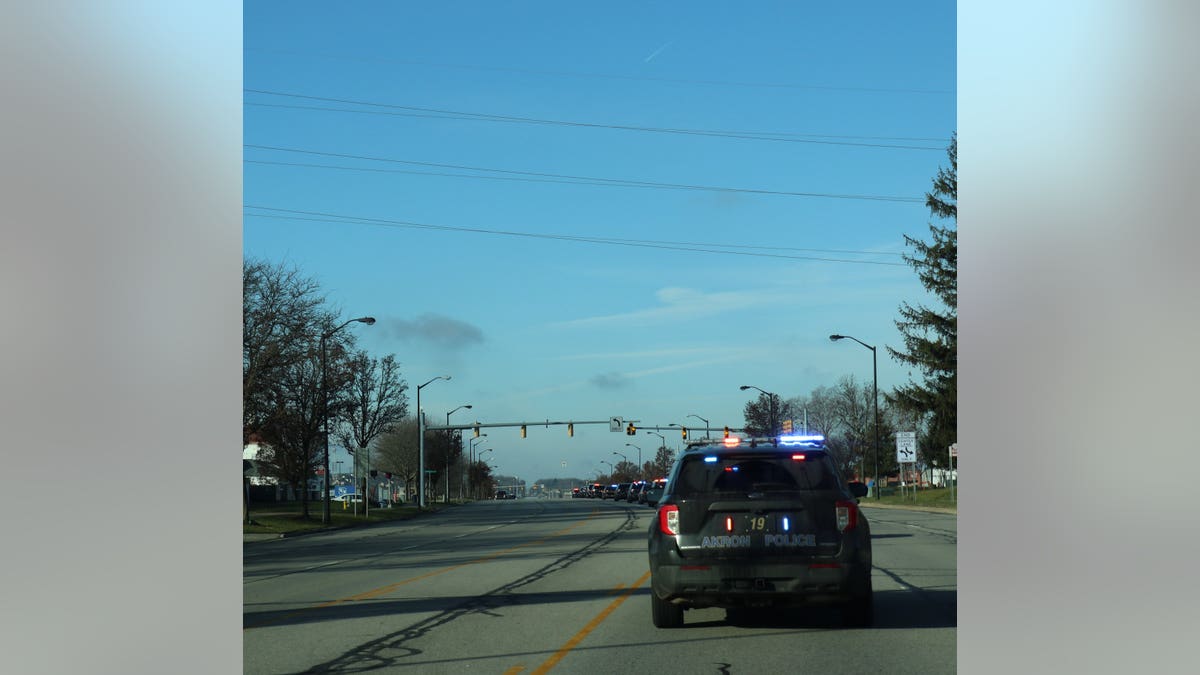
501 494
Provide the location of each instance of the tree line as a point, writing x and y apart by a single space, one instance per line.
290 385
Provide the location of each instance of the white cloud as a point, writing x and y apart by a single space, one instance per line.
678 304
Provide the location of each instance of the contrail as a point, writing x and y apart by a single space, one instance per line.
658 51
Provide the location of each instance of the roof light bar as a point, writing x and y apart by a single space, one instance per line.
813 440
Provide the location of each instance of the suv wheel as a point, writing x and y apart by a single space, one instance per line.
860 611
665 614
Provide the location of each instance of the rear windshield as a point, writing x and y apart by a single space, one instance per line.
762 472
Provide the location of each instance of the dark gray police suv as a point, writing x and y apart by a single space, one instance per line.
758 523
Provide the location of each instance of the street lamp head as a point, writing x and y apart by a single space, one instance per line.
835 337
369 320
744 387
468 406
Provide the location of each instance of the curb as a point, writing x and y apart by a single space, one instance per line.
261 537
925 509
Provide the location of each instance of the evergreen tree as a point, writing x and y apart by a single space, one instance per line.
931 333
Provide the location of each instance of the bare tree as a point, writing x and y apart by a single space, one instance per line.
293 431
396 452
663 459
766 412
281 312
373 401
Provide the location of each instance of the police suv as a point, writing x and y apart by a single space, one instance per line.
756 523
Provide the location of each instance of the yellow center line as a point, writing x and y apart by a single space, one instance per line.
383 590
515 669
592 625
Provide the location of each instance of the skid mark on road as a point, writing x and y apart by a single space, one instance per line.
383 590
390 650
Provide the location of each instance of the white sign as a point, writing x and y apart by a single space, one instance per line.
954 449
906 446
616 424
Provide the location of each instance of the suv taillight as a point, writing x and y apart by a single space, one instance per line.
847 516
668 519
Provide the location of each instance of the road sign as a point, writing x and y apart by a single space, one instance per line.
616 424
787 426
906 446
954 449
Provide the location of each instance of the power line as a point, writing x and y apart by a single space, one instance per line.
317 216
488 117
610 76
757 135
532 176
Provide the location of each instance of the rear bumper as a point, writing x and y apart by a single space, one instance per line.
755 582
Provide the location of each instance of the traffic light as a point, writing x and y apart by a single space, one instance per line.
630 430
726 432
570 429
476 432
522 431
683 431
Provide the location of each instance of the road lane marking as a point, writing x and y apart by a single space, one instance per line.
592 625
367 595
515 669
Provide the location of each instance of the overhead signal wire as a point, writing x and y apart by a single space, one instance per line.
318 216
567 123
757 135
565 178
641 78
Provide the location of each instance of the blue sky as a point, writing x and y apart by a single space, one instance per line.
851 105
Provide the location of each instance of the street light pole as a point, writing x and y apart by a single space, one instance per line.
874 398
771 412
702 420
449 436
473 457
369 320
631 445
421 443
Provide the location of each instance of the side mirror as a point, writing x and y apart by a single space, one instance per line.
858 489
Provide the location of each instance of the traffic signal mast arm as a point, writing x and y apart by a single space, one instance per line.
549 423
485 425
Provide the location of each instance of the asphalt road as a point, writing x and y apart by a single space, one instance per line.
533 586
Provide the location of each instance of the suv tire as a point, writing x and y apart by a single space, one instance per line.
665 614
860 611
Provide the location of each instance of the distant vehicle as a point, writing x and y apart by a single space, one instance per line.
610 492
634 488
596 490
354 499
622 491
652 492
501 494
576 493
751 523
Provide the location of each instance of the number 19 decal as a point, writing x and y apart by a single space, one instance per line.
758 523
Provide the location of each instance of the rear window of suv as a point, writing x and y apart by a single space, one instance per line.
742 473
